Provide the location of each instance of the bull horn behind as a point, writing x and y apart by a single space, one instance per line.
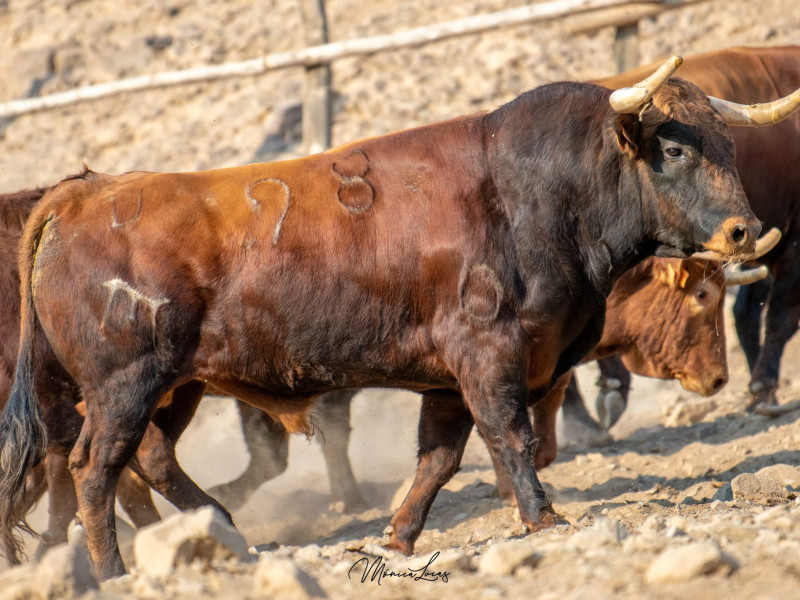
747 277
763 245
630 99
756 115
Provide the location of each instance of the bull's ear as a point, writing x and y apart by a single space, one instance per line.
627 129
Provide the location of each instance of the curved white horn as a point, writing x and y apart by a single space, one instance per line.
763 245
630 99
757 115
747 277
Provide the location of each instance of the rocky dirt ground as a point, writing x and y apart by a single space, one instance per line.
693 499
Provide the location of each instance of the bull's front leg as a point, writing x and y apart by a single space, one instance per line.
783 314
444 427
506 428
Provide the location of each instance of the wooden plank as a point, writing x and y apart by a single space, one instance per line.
626 47
317 112
325 53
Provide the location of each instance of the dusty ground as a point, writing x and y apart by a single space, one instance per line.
657 481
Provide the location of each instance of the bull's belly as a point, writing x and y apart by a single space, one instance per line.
272 376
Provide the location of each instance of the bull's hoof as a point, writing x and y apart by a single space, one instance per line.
348 506
548 519
581 434
610 405
232 495
761 394
396 545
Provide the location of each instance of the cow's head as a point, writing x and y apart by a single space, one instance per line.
676 314
682 154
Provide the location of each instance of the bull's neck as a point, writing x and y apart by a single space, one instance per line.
570 198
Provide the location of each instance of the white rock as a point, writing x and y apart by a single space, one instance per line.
66 572
505 558
281 578
603 532
203 535
684 563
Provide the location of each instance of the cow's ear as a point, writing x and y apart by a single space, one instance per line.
627 129
674 278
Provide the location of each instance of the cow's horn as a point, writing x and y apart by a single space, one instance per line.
763 245
747 277
756 115
631 99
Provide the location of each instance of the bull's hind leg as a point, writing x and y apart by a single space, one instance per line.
333 410
267 442
444 427
62 502
155 462
108 439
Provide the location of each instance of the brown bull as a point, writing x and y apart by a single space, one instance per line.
60 398
468 258
664 319
767 160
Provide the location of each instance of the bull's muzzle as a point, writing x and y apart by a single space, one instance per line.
735 237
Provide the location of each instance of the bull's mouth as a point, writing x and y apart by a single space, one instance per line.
724 254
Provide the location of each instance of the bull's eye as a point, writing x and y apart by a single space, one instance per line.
673 152
701 295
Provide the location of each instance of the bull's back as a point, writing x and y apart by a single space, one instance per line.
342 258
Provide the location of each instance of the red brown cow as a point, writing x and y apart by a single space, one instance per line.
767 160
469 258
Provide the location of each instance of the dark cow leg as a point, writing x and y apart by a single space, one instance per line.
134 497
171 420
580 429
444 428
747 311
111 433
544 414
63 503
506 429
267 442
155 462
333 411
614 383
783 313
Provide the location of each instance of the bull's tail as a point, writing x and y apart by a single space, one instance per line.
23 437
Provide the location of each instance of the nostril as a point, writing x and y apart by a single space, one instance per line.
719 383
739 235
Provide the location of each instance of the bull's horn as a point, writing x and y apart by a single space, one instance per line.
756 115
747 277
763 245
631 99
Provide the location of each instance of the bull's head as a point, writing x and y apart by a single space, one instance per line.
683 154
680 308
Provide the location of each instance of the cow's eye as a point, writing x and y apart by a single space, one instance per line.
701 295
673 152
